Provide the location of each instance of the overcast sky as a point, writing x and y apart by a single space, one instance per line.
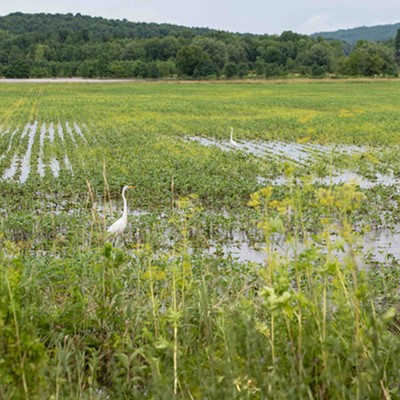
254 16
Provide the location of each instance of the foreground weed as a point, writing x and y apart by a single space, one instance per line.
321 302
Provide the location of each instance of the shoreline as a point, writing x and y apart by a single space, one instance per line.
205 81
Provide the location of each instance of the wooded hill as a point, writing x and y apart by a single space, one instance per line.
66 45
378 33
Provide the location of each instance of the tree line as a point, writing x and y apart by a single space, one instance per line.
67 45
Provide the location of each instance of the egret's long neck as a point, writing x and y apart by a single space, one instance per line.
231 134
125 213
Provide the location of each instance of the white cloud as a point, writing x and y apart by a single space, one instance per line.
325 22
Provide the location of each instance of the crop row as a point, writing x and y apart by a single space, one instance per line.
107 136
297 153
41 147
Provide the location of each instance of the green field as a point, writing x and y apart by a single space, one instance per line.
172 311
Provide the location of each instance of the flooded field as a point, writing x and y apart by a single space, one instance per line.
21 142
54 141
378 245
305 154
294 152
242 267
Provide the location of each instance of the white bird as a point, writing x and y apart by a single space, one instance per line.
231 141
119 226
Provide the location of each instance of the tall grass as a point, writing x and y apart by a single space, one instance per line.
103 322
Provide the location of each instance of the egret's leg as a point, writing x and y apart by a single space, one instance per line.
115 239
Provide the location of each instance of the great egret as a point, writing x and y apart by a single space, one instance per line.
231 141
119 226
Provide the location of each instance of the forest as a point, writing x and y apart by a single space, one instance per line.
67 45
376 33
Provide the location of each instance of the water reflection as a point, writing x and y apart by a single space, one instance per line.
302 154
339 178
379 244
296 152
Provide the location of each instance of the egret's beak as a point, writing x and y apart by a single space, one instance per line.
132 187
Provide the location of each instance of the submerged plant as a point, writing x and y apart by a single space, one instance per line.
321 303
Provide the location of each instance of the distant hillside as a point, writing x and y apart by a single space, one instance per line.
99 28
378 33
66 45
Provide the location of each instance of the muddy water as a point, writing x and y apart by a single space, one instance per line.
338 178
67 163
54 165
41 165
79 131
290 151
26 159
295 152
71 133
10 172
46 134
301 154
60 132
380 244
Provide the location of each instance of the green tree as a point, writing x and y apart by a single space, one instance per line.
16 54
289 36
40 52
160 48
17 69
167 68
207 68
43 69
260 66
369 59
318 58
243 70
236 51
67 69
397 45
230 69
272 69
120 69
133 50
189 59
152 70
71 53
88 69
140 69
274 51
215 49
273 55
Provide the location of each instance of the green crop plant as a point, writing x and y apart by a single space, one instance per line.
176 312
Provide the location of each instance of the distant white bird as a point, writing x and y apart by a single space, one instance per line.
231 141
118 227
